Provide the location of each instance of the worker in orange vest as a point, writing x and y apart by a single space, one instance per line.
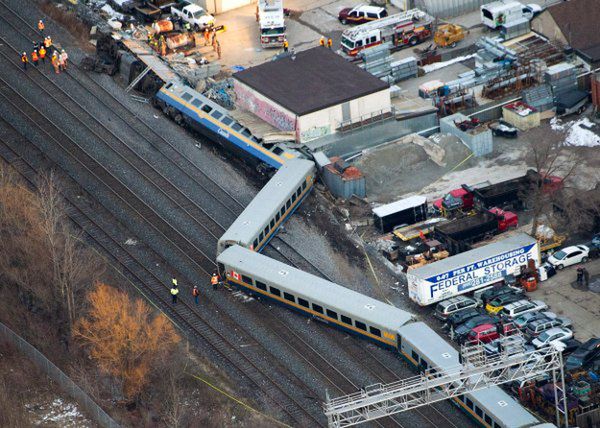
329 43
322 41
55 63
43 54
206 37
35 57
41 26
24 60
215 279
48 43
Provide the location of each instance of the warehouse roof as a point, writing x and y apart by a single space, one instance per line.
577 21
310 80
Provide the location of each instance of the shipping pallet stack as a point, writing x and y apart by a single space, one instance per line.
378 62
562 78
539 97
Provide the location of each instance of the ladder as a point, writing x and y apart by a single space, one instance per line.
137 79
388 21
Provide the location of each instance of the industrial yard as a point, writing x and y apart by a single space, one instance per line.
322 213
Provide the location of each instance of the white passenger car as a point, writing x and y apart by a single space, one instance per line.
569 256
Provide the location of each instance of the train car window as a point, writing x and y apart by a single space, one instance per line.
261 285
169 85
468 402
282 211
488 420
303 302
186 96
267 230
277 217
227 120
255 244
288 204
478 412
415 356
246 133
332 314
299 192
236 126
304 185
294 197
275 291
247 279
288 296
424 364
260 237
346 319
197 102
433 371
375 331
360 325
272 224
317 308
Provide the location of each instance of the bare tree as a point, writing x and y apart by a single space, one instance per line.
174 408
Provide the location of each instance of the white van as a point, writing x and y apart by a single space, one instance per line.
502 12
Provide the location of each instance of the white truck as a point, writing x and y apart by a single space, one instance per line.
193 14
503 12
472 269
271 22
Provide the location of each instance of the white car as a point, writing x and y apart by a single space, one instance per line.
552 337
569 256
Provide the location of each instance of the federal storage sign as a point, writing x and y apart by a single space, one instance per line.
474 275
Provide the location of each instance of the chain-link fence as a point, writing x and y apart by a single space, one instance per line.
92 409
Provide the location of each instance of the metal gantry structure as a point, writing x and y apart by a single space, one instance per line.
477 371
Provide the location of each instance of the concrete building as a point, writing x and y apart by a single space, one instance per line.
220 6
573 23
313 93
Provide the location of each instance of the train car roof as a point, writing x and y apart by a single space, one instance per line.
440 353
502 407
268 201
316 289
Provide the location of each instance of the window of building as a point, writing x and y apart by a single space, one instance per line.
247 279
186 96
375 331
332 314
217 114
345 319
317 308
275 291
288 296
360 325
206 108
261 285
303 302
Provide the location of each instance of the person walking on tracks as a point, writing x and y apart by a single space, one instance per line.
55 62
196 294
41 26
215 279
63 58
174 291
35 57
43 54
24 60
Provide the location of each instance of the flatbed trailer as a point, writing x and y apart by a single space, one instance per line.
418 230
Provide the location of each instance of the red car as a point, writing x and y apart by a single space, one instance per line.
361 14
487 333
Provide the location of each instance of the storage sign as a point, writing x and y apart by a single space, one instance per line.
482 272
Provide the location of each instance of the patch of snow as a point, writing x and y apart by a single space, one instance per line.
131 241
437 65
580 135
556 124
107 9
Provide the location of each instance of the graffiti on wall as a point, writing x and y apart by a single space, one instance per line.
263 109
314 133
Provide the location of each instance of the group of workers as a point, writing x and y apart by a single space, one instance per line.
323 42
44 49
215 280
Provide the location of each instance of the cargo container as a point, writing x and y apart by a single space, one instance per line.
472 270
403 212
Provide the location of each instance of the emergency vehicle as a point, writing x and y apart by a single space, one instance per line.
271 22
406 28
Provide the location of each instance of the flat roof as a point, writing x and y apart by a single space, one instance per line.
310 80
472 256
313 288
439 352
402 204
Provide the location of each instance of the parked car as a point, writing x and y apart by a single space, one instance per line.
486 333
523 320
569 256
583 355
361 14
496 305
448 307
463 329
570 346
504 129
536 327
494 292
520 307
552 337
461 317
517 345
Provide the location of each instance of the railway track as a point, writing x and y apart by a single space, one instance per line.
183 202
11 141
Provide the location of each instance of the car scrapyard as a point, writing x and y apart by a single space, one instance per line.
361 185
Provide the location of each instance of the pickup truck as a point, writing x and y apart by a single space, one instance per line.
196 16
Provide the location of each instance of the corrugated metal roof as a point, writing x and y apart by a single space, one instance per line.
403 204
315 289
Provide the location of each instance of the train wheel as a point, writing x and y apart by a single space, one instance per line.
178 118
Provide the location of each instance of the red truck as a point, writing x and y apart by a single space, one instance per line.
454 200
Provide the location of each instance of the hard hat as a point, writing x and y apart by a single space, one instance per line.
24 53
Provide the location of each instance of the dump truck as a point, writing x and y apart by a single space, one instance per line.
472 270
448 35
457 235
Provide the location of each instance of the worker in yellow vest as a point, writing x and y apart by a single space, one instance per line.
322 41
174 291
